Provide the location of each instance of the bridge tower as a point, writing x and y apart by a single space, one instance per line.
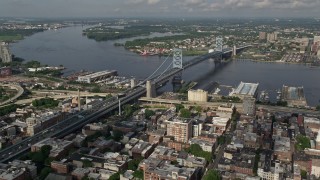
151 89
177 63
219 43
219 48
177 58
234 50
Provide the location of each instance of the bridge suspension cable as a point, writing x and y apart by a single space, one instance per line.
149 77
164 70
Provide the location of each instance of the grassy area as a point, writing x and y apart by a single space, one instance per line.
11 37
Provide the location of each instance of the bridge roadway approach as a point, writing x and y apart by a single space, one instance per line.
77 121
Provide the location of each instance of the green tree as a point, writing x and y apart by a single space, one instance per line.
318 107
96 90
87 163
48 161
221 139
117 135
212 175
303 174
174 162
138 174
196 150
108 96
185 113
45 150
33 64
148 113
198 109
134 164
38 157
179 107
128 110
44 172
115 176
302 142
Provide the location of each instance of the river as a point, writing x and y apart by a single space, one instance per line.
68 47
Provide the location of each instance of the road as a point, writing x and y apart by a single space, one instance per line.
70 124
19 89
77 121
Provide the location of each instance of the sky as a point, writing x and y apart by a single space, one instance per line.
159 8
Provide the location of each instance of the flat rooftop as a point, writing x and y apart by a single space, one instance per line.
293 93
98 74
245 89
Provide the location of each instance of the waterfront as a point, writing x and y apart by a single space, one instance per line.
68 47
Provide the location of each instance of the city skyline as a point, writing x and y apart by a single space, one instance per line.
159 8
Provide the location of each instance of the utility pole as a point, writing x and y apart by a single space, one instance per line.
119 107
79 105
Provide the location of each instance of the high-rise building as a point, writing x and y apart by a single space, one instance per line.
316 40
180 129
5 54
262 35
271 37
249 105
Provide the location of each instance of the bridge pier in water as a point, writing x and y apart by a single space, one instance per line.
176 83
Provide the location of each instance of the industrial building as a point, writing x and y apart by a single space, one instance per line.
294 96
94 77
5 54
245 89
197 95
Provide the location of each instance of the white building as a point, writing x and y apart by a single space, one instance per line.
245 89
198 95
97 76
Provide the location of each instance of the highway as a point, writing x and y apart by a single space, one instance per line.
70 124
19 89
76 121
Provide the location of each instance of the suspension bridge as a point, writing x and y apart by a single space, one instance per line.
99 109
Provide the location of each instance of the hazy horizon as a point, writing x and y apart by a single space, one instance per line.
160 8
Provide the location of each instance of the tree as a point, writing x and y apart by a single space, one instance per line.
302 142
108 96
115 176
196 150
221 139
128 110
48 161
96 90
185 113
117 135
198 109
138 174
212 175
86 163
303 174
179 107
148 113
44 172
45 150
133 164
174 162
318 107
38 157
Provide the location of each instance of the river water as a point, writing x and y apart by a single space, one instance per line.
68 47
